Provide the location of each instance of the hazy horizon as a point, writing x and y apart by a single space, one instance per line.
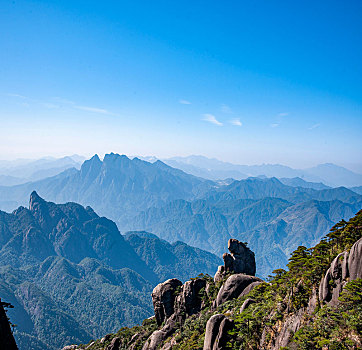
131 156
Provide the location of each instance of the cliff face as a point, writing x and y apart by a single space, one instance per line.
7 341
316 304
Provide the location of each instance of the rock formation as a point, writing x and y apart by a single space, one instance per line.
240 260
289 311
234 287
163 298
246 303
189 301
173 302
355 260
345 265
216 335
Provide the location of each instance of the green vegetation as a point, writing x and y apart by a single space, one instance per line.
289 292
136 336
334 327
289 296
72 276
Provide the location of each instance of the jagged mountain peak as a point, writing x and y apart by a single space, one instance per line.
35 201
95 158
91 165
115 157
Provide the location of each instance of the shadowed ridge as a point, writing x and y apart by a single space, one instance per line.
7 341
35 201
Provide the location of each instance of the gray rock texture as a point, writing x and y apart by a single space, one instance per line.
233 287
216 334
246 303
157 337
355 260
173 307
189 302
163 298
240 260
249 288
345 265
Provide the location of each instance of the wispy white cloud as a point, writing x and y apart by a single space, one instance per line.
17 95
50 105
236 122
279 119
64 100
226 109
184 102
314 126
211 119
92 109
57 102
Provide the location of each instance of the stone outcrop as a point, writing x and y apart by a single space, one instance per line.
233 287
355 260
7 341
240 260
334 280
249 288
246 303
163 298
289 326
189 301
172 307
216 334
346 265
157 337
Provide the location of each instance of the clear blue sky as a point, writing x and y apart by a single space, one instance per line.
243 81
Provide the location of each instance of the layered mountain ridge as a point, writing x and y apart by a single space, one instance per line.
214 169
71 275
140 195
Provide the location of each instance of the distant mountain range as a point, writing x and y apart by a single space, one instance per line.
140 195
24 170
116 187
57 261
273 218
72 276
213 169
330 175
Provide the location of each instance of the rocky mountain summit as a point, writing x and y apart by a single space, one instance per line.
241 260
315 304
174 303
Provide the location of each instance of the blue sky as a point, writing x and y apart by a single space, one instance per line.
243 81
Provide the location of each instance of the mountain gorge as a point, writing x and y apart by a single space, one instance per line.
72 276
